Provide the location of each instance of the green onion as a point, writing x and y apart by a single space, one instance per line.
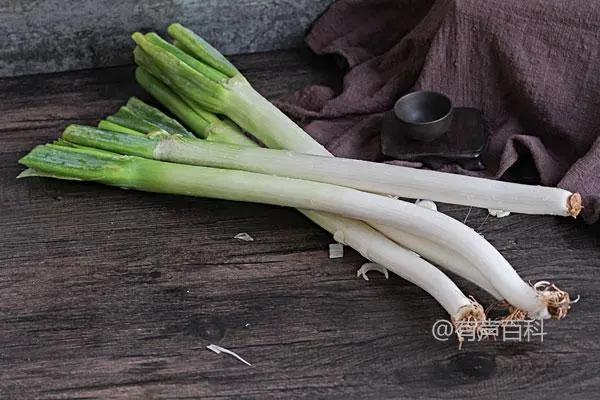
240 102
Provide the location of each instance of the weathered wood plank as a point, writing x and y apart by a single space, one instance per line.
107 293
59 35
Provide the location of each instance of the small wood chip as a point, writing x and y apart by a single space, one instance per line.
244 236
366 267
219 350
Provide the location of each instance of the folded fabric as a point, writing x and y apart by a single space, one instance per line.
532 67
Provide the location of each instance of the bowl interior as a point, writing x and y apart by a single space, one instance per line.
422 107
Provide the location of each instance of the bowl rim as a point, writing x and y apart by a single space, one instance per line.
423 92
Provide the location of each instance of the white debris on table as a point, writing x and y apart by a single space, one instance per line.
219 350
498 213
336 250
426 204
244 236
366 267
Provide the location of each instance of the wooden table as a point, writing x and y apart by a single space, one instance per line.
106 293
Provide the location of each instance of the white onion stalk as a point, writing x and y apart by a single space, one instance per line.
402 181
234 97
390 179
131 172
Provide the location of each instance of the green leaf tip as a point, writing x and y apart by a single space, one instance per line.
138 37
32 173
207 70
28 173
194 45
156 117
75 163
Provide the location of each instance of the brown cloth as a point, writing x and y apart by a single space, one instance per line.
533 67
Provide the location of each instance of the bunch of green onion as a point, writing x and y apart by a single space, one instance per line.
142 148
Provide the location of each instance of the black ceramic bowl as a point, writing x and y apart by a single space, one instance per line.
424 115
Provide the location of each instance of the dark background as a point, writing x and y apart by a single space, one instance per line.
108 294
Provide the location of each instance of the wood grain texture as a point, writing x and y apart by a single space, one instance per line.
40 36
110 294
